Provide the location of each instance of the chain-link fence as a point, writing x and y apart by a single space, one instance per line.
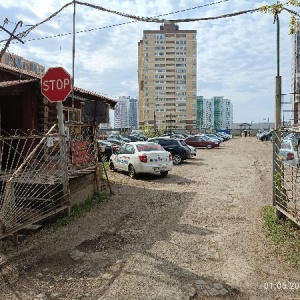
35 170
286 173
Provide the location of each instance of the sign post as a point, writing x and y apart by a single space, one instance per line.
56 86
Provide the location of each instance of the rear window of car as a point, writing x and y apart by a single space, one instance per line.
286 145
149 147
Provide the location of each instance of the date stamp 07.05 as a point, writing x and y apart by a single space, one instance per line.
282 285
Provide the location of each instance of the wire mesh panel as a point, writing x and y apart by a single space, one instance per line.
82 146
286 173
31 178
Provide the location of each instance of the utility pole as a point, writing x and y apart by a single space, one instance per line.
277 168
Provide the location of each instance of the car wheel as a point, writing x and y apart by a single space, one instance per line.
112 167
209 146
177 159
164 173
132 173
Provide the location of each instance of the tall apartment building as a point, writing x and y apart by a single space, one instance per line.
121 120
295 80
223 113
133 114
126 113
17 61
214 113
167 75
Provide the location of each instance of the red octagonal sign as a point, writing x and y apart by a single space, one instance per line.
56 84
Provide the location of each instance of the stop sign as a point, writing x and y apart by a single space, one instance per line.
56 84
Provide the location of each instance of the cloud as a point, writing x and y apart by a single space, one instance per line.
236 56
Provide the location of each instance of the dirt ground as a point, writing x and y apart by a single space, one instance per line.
196 234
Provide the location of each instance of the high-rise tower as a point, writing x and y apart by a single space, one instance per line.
167 74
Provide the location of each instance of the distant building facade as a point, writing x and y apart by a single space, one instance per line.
214 113
133 113
126 113
167 77
19 62
121 120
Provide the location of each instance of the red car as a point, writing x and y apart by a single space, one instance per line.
200 142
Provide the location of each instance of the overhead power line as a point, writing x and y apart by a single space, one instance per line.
155 19
25 33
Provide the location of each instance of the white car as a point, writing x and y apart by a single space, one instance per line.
141 157
288 152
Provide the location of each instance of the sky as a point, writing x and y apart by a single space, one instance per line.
237 56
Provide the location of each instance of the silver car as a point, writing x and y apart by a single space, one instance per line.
288 152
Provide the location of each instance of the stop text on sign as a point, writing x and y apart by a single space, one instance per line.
56 84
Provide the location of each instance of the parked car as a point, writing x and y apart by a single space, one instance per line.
108 150
174 146
141 136
192 149
119 137
134 138
265 136
214 136
223 135
141 157
115 141
199 141
288 152
209 138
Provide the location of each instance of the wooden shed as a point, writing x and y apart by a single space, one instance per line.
35 160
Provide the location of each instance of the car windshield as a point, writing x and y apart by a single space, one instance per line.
149 147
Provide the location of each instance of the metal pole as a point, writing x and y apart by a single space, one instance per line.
276 133
63 156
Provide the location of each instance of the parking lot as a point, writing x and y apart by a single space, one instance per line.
195 234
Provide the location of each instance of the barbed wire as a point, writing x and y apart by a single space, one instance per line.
25 33
155 19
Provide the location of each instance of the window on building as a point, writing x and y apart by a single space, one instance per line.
72 114
159 36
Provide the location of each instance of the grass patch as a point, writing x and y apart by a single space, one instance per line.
284 235
78 211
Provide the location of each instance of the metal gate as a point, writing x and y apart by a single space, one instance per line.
33 178
286 173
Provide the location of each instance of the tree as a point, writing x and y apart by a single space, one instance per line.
278 7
